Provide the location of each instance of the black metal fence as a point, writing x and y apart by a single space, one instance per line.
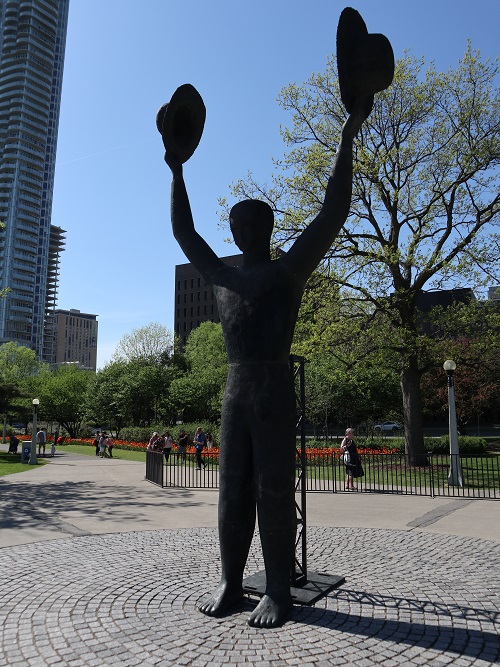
154 468
382 473
392 473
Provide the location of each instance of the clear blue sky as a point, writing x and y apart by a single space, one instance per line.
124 58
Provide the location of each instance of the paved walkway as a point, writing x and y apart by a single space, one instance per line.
100 567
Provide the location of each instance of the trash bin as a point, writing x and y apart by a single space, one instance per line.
25 458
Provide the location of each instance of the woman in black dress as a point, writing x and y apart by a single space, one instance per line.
350 457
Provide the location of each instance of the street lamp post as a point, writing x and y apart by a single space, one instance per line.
33 460
455 476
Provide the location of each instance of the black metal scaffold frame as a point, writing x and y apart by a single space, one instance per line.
306 587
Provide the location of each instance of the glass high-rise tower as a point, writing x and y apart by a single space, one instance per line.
32 45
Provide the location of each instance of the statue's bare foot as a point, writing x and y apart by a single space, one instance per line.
221 599
270 612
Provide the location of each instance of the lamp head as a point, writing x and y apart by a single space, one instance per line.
449 365
35 401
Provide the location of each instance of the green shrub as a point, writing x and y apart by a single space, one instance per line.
140 433
144 433
467 445
190 428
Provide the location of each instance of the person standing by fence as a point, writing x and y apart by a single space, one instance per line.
199 442
167 445
182 445
351 459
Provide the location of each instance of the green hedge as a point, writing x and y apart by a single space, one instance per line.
468 445
144 433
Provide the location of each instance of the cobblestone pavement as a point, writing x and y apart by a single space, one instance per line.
130 599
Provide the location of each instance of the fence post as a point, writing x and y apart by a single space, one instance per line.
431 481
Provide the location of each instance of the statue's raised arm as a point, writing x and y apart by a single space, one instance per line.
181 123
366 66
312 245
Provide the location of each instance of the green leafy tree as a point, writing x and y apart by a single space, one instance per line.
197 394
147 344
108 401
475 350
132 390
62 397
8 392
425 206
19 373
18 363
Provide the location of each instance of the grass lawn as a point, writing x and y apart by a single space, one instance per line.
11 463
124 454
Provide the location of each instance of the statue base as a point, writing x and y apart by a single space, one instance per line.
317 586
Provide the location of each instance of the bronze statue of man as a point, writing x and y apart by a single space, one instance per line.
258 305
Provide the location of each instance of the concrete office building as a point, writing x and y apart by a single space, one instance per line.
194 299
32 45
76 338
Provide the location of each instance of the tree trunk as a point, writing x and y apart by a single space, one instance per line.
71 428
412 410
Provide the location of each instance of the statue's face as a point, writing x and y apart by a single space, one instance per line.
251 225
242 233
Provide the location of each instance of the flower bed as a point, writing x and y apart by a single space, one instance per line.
313 453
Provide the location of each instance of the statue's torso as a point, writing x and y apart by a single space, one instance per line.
258 309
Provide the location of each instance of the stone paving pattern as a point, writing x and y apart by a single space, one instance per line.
126 599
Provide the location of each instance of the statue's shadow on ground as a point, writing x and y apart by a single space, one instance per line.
81 499
439 636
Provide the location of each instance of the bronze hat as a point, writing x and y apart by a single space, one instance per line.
181 121
365 61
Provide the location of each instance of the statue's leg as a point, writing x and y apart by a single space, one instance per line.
273 436
236 498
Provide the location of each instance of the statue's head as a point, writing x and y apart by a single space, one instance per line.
252 223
